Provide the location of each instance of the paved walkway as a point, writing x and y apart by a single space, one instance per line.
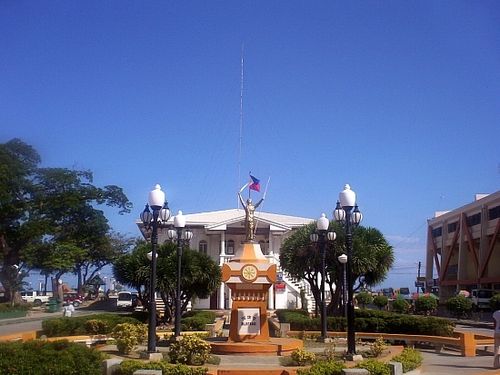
444 363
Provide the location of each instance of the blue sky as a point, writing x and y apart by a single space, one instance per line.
399 99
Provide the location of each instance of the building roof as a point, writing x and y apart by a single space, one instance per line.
220 220
479 201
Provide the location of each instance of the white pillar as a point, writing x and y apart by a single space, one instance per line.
270 301
221 262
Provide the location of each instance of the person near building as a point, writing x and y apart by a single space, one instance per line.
496 360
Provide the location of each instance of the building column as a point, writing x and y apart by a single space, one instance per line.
221 262
270 300
429 261
483 241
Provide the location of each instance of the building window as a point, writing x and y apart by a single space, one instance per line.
474 219
437 232
203 246
494 213
452 227
230 247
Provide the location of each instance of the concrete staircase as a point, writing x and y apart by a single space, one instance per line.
296 285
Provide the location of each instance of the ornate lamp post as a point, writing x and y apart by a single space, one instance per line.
182 236
343 260
320 237
343 214
158 217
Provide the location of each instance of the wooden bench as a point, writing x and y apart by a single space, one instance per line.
466 342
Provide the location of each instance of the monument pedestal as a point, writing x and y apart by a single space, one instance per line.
249 275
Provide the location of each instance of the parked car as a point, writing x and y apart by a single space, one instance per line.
74 298
35 297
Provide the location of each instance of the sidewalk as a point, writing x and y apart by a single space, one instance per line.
447 362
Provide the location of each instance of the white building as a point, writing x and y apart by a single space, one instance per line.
220 233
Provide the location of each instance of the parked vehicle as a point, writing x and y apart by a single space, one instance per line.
124 300
388 292
74 298
35 297
481 297
405 294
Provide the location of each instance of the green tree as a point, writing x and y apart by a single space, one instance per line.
372 259
48 211
400 305
380 301
200 274
364 298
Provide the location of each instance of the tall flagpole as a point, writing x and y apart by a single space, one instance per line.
241 121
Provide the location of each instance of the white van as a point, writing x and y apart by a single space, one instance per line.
124 300
481 297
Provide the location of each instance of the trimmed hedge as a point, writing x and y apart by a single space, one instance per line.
323 368
196 320
128 367
79 325
283 313
375 321
54 358
17 311
6 307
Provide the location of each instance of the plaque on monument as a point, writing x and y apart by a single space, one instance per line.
249 321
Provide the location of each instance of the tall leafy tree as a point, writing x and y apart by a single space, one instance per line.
49 211
372 259
200 274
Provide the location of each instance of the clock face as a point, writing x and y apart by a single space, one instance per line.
249 272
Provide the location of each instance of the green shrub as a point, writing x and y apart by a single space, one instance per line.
194 323
425 305
55 358
400 306
495 302
375 367
298 322
377 321
282 314
128 367
323 368
380 301
460 306
410 359
302 357
364 298
129 335
378 347
77 325
96 327
196 320
6 307
190 350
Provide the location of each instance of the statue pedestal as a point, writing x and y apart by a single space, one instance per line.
249 275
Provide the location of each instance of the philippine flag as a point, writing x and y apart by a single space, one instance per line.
255 185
